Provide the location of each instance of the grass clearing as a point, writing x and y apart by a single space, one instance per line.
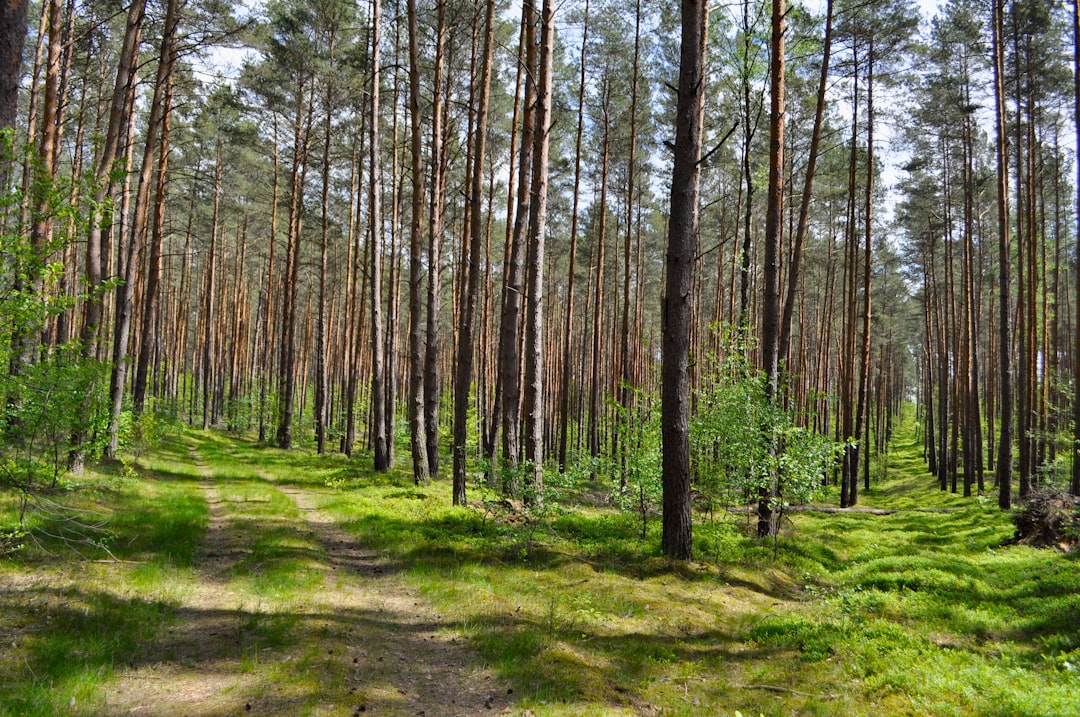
230 584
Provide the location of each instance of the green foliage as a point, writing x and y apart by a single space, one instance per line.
142 432
44 401
742 441
46 391
639 468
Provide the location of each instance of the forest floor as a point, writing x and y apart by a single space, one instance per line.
246 580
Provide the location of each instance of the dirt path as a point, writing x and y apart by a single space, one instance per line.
358 641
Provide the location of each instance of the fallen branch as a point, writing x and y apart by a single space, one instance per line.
785 690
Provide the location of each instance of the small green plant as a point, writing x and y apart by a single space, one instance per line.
142 432
637 470
746 445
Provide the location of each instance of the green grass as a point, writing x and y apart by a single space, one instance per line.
918 613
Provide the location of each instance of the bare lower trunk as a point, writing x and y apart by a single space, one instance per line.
677 541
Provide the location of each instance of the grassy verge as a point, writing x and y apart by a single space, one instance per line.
68 619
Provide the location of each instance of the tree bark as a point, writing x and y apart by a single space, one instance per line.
534 321
509 358
564 389
770 324
677 541
125 293
380 448
436 219
287 357
322 376
1005 438
794 271
1075 482
127 66
13 18
463 380
417 431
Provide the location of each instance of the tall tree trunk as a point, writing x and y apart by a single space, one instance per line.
535 405
564 389
125 293
127 66
463 379
770 323
850 469
322 375
677 541
596 398
417 431
436 219
266 361
287 356
380 448
794 271
626 377
861 408
151 297
509 358
210 312
1075 483
43 173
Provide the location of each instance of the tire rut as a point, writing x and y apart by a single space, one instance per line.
405 641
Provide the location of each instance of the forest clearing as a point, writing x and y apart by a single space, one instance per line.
241 579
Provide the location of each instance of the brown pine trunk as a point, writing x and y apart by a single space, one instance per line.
564 389
861 409
43 173
847 369
509 355
417 431
794 272
380 449
125 293
266 360
535 404
287 356
436 220
749 123
149 334
1075 482
596 384
626 378
677 540
127 66
770 324
322 376
13 16
464 378
209 312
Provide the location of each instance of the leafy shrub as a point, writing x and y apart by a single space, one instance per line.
639 488
743 443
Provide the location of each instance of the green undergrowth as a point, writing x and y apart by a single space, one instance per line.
927 611
66 621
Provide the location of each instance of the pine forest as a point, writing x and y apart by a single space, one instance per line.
472 356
